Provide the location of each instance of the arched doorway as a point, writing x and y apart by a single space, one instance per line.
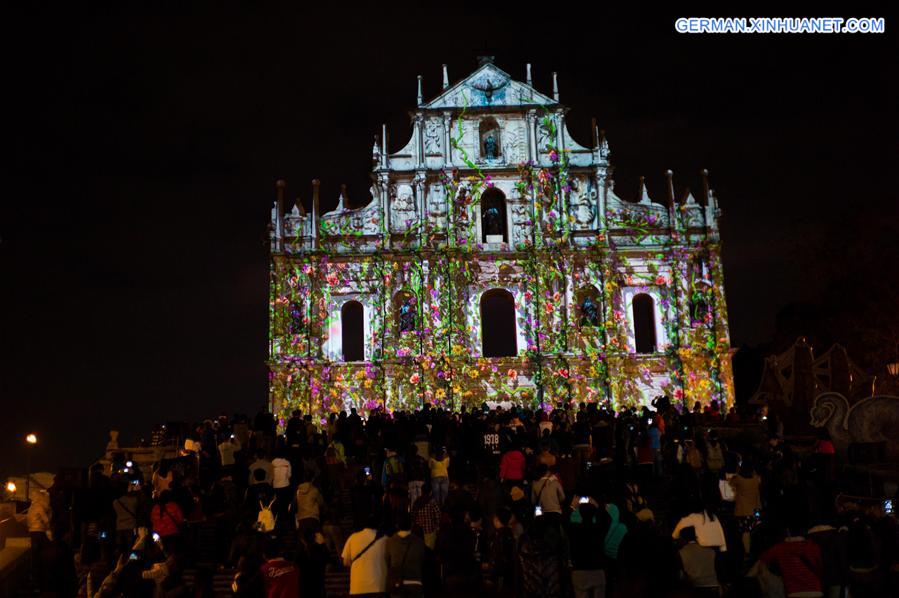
493 217
498 330
644 324
352 330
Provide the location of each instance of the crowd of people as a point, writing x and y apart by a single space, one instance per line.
576 501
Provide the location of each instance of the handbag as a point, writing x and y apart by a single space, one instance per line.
395 574
182 527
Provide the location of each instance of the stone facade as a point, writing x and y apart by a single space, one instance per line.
493 231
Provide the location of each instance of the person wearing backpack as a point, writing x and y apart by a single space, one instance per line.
405 554
365 555
394 470
266 518
692 455
714 457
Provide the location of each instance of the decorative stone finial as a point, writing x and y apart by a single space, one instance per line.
445 78
669 185
315 212
529 80
643 194
280 185
704 175
555 86
689 200
419 91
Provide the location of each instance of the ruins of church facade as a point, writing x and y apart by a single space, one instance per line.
494 262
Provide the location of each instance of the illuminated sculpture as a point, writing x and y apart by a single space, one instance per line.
484 234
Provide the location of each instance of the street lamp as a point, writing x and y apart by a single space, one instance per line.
11 487
31 439
893 369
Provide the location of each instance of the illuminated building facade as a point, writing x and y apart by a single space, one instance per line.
495 262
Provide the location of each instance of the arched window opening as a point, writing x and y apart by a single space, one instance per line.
352 331
644 324
498 332
493 216
588 312
699 308
489 135
406 312
296 317
700 285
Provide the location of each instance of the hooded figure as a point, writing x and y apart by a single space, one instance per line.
616 533
309 502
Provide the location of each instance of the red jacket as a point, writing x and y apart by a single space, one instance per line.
281 577
166 522
800 564
511 466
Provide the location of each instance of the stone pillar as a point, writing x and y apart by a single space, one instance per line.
279 214
420 204
447 146
316 212
419 146
384 180
532 135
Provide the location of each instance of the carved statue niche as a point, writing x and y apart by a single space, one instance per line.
296 315
433 135
489 134
406 313
588 307
583 203
402 204
521 217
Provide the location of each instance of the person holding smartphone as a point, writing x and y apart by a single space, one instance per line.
747 501
547 495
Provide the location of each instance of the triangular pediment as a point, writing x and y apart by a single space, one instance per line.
488 86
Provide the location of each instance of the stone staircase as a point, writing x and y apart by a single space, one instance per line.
206 570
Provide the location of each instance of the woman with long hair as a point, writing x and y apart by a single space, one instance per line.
704 518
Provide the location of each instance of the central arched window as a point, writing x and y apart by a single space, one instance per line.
352 330
493 216
498 334
644 323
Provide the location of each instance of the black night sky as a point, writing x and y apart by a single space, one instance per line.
143 147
